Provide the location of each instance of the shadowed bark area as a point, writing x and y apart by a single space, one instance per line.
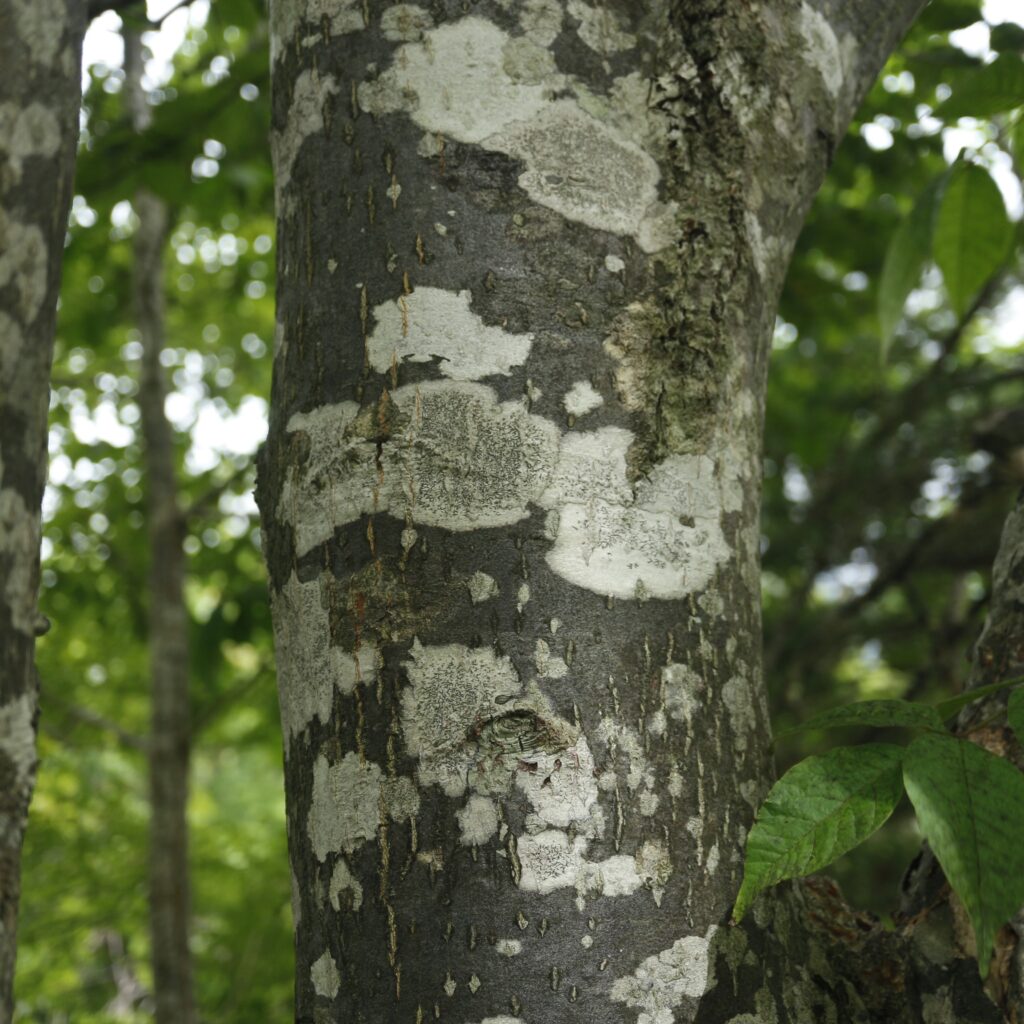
169 740
529 256
40 47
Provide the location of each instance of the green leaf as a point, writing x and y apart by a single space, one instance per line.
986 90
818 810
874 713
953 706
953 14
1015 714
1007 36
970 805
909 250
972 234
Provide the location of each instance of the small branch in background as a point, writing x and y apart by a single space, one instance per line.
97 7
202 505
98 721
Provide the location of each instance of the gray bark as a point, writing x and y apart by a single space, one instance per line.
528 261
40 47
170 733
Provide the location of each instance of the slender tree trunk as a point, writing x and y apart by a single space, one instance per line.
40 54
169 903
529 257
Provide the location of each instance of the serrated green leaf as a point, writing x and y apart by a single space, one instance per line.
972 235
1015 714
953 706
874 713
818 810
909 250
970 805
986 90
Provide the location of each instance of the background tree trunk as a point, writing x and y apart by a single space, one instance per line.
528 264
40 47
170 734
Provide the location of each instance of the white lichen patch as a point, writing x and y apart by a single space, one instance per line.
482 587
456 458
470 81
330 17
562 788
666 542
325 977
454 690
23 254
400 798
454 83
654 866
684 691
353 668
658 986
19 543
738 699
344 888
345 808
18 740
583 169
614 264
549 666
28 131
599 28
39 25
478 821
614 876
541 20
550 860
508 947
582 398
625 740
405 23
822 48
431 323
503 1019
305 116
305 674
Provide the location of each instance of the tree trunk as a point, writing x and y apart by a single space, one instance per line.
40 53
170 734
529 257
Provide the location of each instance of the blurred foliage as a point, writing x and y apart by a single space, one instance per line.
84 929
889 469
887 476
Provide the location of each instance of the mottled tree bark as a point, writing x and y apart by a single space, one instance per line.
40 48
169 739
529 258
